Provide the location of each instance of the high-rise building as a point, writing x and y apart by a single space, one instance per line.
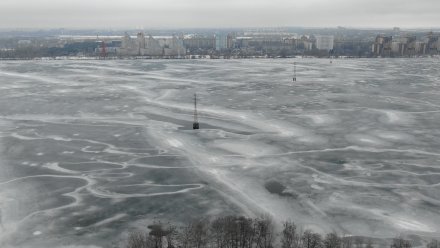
195 42
382 45
140 42
221 42
432 43
324 42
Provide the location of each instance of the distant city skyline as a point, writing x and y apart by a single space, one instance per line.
218 14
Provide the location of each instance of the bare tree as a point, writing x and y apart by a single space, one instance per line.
290 237
311 240
194 235
137 240
399 242
347 242
157 234
433 244
185 236
200 237
218 233
171 235
242 232
369 244
246 232
264 232
232 232
332 240
359 242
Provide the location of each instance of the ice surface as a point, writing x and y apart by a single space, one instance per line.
93 149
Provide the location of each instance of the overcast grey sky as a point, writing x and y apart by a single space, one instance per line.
217 13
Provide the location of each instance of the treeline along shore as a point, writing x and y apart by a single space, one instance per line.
243 232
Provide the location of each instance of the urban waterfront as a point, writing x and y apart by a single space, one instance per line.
221 43
91 150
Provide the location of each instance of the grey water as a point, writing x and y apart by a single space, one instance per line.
90 150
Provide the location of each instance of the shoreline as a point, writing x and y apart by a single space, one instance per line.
204 57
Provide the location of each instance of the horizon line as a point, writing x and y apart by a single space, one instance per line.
223 28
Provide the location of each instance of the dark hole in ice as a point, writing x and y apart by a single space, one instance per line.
276 187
